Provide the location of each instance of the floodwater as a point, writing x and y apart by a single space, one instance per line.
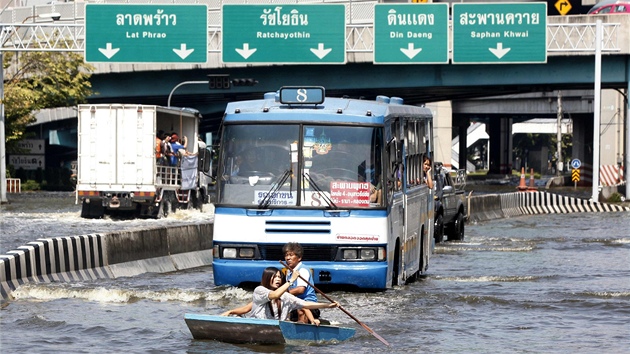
531 284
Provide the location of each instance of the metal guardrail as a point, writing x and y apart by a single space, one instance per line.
68 34
47 37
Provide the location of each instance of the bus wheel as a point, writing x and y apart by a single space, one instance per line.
396 265
439 229
457 230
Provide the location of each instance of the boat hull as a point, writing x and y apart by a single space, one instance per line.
239 330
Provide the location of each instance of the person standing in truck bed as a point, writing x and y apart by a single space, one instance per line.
177 146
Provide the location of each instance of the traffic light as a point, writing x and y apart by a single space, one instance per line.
219 81
244 82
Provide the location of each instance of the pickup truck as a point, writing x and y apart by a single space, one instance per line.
451 205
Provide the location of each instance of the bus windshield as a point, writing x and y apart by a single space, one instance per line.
302 166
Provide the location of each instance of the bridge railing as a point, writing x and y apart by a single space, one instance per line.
576 37
581 37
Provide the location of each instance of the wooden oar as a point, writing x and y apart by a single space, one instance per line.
341 308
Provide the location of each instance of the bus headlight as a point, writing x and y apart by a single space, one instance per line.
362 253
350 254
229 253
234 252
246 253
368 254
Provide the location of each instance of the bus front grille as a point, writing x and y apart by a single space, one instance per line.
297 227
311 252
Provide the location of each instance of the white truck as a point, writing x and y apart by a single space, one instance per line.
117 167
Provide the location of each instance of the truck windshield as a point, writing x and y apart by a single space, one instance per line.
321 166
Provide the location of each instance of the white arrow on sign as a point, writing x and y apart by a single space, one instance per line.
108 52
499 52
245 52
410 51
320 51
182 52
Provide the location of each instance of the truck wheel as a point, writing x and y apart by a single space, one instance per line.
457 230
92 210
164 209
439 229
201 200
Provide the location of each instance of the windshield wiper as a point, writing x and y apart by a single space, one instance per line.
264 203
319 190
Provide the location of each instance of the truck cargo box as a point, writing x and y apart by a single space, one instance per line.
117 165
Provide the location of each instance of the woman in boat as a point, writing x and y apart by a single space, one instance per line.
272 301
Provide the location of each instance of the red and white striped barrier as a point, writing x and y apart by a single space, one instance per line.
611 175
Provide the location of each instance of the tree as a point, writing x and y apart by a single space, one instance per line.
39 80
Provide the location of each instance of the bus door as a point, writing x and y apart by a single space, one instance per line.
402 251
417 197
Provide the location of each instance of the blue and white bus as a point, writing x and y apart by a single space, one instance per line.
343 177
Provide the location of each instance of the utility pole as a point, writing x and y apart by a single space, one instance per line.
559 163
3 152
597 109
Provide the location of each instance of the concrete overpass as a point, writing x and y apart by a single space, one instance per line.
452 89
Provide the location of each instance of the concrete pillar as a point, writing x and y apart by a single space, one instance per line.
500 132
494 132
463 144
611 133
626 163
442 131
583 147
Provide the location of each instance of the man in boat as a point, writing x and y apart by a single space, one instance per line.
293 253
272 301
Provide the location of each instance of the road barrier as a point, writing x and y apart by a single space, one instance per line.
14 185
111 255
496 206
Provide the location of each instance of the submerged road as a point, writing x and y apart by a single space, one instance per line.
546 283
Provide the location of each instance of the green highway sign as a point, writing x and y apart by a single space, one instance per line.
500 33
121 33
410 33
284 34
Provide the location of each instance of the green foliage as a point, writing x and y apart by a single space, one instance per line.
50 179
39 80
615 198
531 142
31 185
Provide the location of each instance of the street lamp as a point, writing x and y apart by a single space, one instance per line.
3 151
55 16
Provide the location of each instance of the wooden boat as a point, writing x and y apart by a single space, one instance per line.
240 330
